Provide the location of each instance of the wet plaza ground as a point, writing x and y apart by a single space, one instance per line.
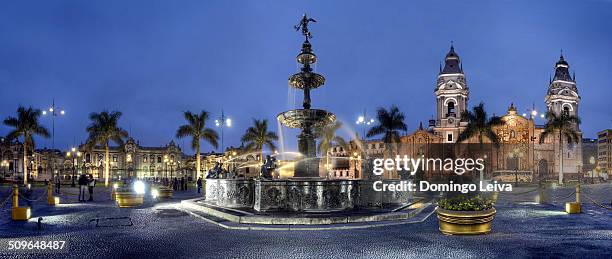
99 229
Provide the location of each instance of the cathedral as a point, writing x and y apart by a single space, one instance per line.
520 155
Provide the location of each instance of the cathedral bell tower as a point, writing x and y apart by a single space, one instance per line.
562 95
451 98
562 98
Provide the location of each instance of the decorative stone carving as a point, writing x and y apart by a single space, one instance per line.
305 195
230 193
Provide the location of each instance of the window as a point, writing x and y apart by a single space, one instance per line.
88 158
144 158
566 110
114 158
159 159
451 108
512 134
449 137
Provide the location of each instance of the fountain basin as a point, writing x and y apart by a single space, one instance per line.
230 193
300 194
302 118
303 79
305 195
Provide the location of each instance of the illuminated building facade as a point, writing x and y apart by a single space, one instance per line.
135 161
604 153
520 156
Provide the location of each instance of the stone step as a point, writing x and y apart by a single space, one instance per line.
424 213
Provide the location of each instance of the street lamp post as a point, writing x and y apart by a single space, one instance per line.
53 112
364 121
533 114
5 165
172 164
75 155
356 158
222 123
166 168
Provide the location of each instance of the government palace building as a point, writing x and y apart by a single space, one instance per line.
519 157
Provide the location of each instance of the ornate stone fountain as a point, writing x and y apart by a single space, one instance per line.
306 119
306 191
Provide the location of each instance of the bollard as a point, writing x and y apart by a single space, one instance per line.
15 196
578 193
19 213
39 224
574 207
51 200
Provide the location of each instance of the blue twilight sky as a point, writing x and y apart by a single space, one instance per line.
153 59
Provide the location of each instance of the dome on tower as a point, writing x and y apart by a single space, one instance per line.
452 63
562 70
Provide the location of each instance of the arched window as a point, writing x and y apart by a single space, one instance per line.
566 110
450 108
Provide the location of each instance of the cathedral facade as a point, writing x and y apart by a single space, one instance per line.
519 157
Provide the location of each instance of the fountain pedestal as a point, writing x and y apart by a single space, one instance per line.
308 167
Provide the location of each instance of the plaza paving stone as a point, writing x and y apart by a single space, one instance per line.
521 229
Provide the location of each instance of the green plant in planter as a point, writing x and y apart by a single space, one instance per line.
462 203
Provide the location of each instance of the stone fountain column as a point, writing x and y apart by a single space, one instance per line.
309 166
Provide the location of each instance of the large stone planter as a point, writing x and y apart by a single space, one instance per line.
165 192
465 222
572 207
128 199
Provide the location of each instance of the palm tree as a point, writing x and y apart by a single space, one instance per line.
258 136
26 125
390 122
102 130
328 138
563 125
479 125
196 128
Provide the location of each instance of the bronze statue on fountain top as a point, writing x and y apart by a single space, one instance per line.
306 119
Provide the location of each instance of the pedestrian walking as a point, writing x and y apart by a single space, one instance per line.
182 184
82 187
58 183
90 186
199 184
